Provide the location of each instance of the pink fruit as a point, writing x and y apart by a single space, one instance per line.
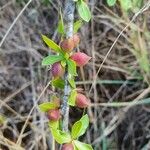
76 39
57 69
81 59
67 45
54 114
81 101
67 146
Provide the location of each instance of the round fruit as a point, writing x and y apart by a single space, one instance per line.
57 69
54 114
81 101
67 45
80 58
67 146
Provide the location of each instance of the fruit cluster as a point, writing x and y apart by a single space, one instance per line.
58 69
67 45
54 114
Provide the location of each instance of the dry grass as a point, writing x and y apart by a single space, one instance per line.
118 72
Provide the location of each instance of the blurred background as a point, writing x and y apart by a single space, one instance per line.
115 122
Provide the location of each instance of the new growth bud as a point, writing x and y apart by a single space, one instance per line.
81 59
67 146
54 114
57 69
82 101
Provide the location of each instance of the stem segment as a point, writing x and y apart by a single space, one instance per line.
68 21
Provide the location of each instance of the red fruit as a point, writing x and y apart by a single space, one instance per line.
81 59
81 101
54 114
57 69
67 146
76 39
67 45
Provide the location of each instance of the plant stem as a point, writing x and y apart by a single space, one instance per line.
68 21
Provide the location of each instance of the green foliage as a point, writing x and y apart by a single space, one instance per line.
80 127
60 136
82 146
111 2
71 81
63 63
53 124
83 10
47 106
59 83
60 28
51 44
51 59
72 98
76 129
77 25
126 4
72 67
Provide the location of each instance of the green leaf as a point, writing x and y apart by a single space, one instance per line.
51 44
47 106
51 59
53 124
77 26
80 127
59 83
85 123
111 2
71 67
82 146
83 10
76 129
60 136
61 25
71 81
72 98
125 4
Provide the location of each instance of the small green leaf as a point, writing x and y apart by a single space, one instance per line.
58 82
71 81
72 98
61 25
82 146
53 124
85 122
71 67
51 59
60 136
76 129
47 106
83 10
111 2
77 26
51 44
80 127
